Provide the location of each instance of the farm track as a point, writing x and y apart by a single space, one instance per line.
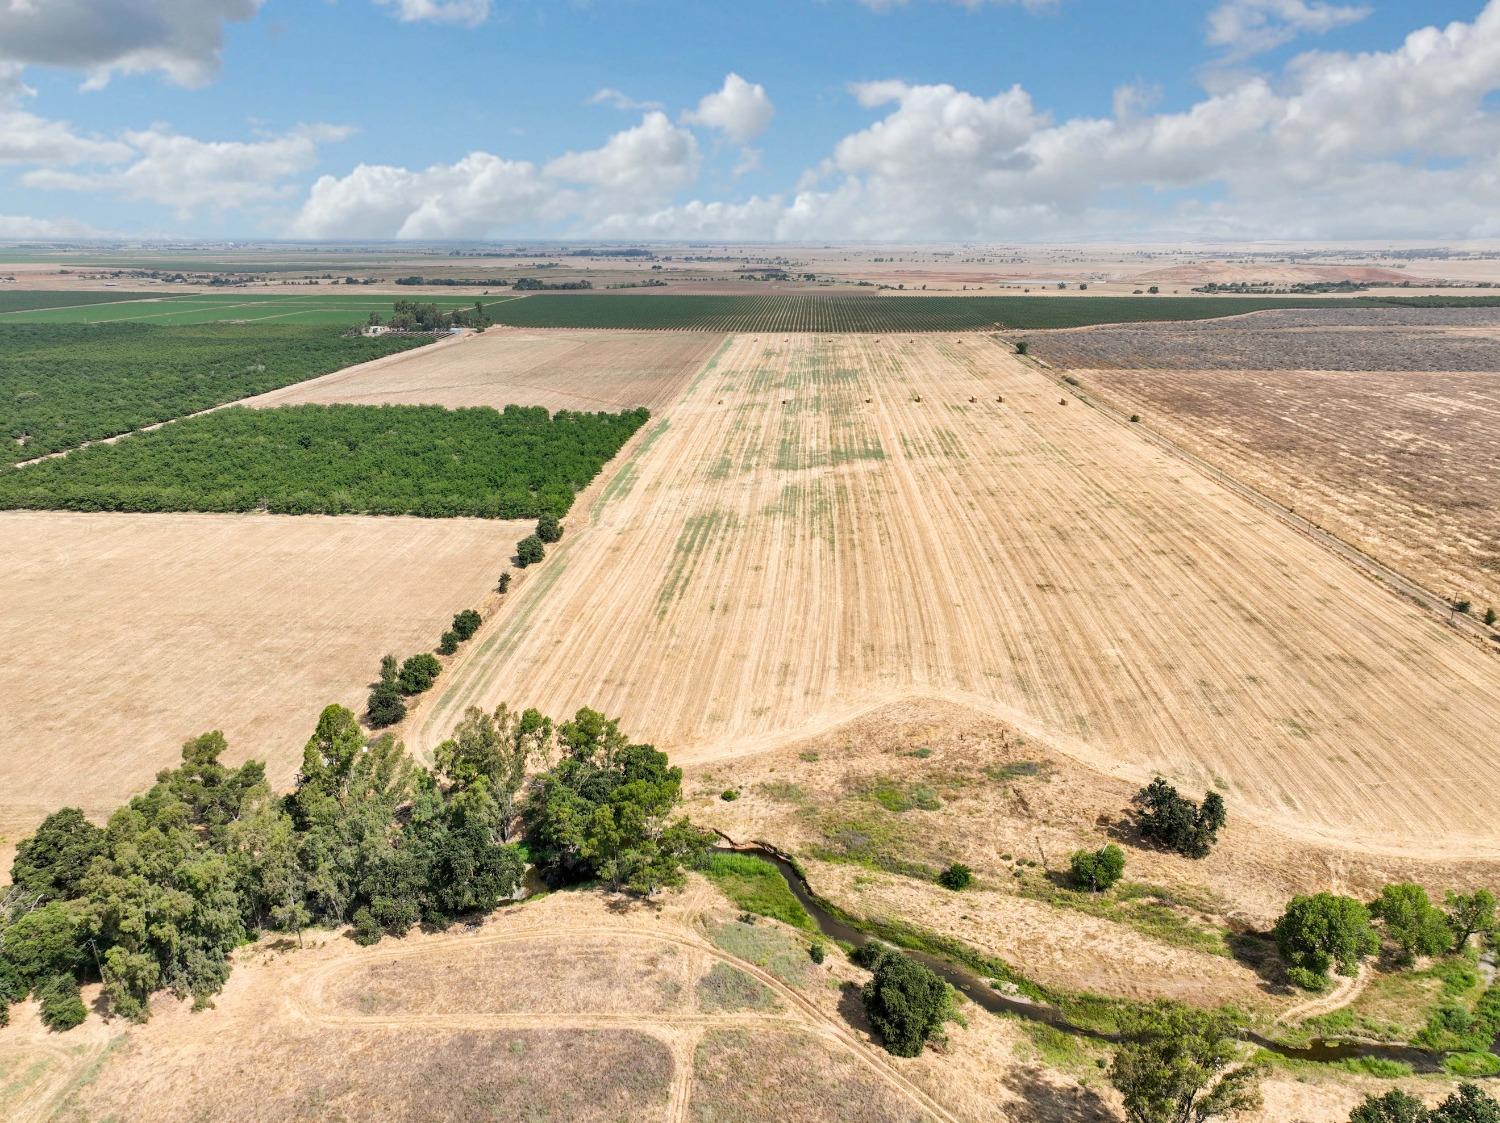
818 525
1395 581
800 1015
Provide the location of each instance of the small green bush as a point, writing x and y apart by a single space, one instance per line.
1096 870
62 1006
504 585
466 623
729 795
529 551
548 529
1023 347
957 876
817 952
385 706
448 645
419 673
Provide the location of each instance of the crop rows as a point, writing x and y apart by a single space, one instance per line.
18 301
750 314
339 308
62 384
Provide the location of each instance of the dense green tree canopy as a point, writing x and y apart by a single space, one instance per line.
1321 931
906 1003
338 459
1180 1065
64 384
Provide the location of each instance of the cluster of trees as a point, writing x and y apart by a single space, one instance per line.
533 548
531 284
1467 1104
196 866
387 702
409 315
64 384
1174 822
1177 1064
465 624
1325 931
336 459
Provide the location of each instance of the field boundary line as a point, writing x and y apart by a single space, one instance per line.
812 1017
1382 574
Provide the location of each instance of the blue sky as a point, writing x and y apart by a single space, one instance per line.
929 119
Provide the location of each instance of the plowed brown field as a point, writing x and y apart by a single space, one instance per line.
579 370
823 523
130 634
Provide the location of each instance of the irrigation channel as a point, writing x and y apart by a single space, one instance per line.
980 991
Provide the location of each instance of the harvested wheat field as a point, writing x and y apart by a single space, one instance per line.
1381 425
824 523
577 370
141 631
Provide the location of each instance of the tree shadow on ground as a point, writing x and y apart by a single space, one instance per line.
1047 1102
1257 951
852 1008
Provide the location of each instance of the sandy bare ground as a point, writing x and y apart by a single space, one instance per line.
578 370
800 537
133 633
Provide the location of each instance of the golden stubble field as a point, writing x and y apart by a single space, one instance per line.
133 633
577 370
821 525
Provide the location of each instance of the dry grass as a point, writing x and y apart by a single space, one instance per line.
820 525
132 633
1406 466
737 1075
284 1072
578 370
1013 808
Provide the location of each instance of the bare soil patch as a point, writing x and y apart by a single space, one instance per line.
578 370
133 633
824 523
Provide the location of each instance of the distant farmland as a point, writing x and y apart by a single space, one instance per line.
342 309
865 313
12 301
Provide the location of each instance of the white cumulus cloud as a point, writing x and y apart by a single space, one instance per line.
465 13
739 109
189 175
1251 27
182 39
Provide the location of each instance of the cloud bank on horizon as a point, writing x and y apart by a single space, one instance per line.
1398 142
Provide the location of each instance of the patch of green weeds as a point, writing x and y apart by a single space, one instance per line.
756 886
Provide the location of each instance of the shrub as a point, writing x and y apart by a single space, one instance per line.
817 952
957 876
1023 347
466 623
389 670
729 795
1463 604
907 1003
1096 870
1489 617
871 954
1393 1107
62 1005
1411 920
504 585
1321 931
548 529
448 644
1135 418
419 673
529 551
385 706
1170 820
